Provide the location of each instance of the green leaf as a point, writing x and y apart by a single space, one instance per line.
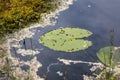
105 55
66 39
116 56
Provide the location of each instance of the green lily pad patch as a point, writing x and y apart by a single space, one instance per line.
110 55
66 39
104 54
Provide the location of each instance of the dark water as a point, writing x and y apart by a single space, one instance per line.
97 16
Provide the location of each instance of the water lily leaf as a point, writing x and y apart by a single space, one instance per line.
66 39
116 56
105 55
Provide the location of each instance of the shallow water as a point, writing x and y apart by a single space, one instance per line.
97 16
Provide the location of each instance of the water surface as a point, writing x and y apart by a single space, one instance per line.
97 16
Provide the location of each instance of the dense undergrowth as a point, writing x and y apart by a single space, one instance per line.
16 14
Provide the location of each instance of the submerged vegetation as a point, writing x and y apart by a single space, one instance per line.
15 14
67 39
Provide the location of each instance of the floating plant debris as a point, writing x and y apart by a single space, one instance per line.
66 39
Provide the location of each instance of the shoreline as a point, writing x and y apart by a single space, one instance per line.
45 21
26 33
48 19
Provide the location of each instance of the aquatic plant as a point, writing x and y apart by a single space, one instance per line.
104 55
66 39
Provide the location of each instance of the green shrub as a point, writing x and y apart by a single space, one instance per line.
15 14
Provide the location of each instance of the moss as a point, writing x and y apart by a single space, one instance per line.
15 14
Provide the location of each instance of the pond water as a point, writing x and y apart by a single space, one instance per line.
97 16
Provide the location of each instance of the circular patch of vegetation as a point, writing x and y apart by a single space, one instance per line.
66 39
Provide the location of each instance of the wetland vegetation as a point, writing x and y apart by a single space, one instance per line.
16 14
67 39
